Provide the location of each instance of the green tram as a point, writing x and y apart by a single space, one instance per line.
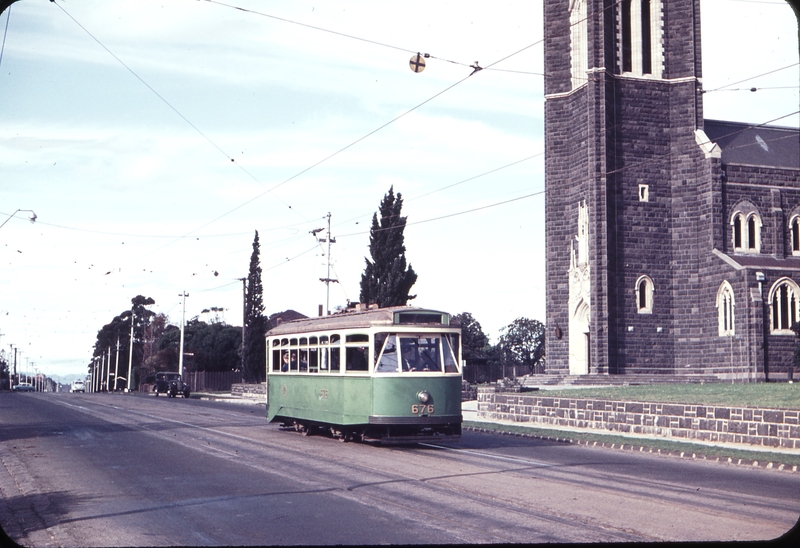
385 374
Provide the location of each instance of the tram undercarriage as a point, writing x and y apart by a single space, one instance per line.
380 434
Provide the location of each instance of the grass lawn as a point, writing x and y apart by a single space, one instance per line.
774 395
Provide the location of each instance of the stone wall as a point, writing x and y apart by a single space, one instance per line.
708 423
255 391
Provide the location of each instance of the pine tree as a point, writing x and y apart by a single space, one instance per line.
254 346
386 281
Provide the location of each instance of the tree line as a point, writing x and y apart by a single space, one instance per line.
216 346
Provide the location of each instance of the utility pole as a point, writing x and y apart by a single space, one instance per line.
329 240
183 328
14 376
108 369
130 354
116 365
244 314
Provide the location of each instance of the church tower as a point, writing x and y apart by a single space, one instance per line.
629 177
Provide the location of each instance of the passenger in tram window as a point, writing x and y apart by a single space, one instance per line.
303 360
285 364
293 362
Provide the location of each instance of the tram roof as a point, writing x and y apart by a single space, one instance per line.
394 315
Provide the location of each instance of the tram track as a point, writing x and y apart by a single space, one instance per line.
528 499
328 475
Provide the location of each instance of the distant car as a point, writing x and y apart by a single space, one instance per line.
24 387
77 386
170 384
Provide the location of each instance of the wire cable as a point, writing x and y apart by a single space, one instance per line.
5 33
751 78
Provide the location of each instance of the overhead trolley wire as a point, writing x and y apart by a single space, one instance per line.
351 36
751 78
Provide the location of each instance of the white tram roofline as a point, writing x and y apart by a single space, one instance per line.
377 317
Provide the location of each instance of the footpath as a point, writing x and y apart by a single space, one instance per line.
757 456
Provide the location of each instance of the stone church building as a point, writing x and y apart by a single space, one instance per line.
673 242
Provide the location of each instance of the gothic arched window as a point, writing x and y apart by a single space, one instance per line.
640 49
579 47
725 307
784 303
644 295
746 230
794 226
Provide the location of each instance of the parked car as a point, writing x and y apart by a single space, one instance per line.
24 387
77 386
170 384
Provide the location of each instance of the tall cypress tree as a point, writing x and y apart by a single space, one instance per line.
386 280
255 327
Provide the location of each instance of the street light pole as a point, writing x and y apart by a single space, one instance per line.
116 365
183 328
244 315
32 216
130 353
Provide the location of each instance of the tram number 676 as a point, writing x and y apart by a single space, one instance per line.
422 409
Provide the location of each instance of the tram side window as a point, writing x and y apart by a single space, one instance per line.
450 351
276 360
336 353
335 358
388 360
356 358
276 355
304 360
313 360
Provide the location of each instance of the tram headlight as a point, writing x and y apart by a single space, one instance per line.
423 396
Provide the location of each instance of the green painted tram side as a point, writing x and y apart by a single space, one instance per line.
351 400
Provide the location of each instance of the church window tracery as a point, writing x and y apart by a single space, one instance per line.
640 30
746 230
784 303
725 309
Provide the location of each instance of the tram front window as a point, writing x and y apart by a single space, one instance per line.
417 353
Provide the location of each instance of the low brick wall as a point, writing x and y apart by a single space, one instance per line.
765 427
255 391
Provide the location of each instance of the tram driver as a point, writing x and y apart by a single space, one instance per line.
410 355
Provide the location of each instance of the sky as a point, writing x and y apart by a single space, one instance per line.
152 139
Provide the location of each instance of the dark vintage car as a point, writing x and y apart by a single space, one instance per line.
170 384
24 387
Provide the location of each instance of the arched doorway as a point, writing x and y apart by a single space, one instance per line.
579 347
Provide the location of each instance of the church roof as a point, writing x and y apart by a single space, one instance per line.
769 146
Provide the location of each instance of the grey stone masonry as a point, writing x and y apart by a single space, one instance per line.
256 391
778 428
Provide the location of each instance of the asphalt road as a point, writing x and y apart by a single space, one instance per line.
130 470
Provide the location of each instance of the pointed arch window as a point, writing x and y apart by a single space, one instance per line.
746 232
725 309
794 226
644 295
579 47
640 30
784 303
